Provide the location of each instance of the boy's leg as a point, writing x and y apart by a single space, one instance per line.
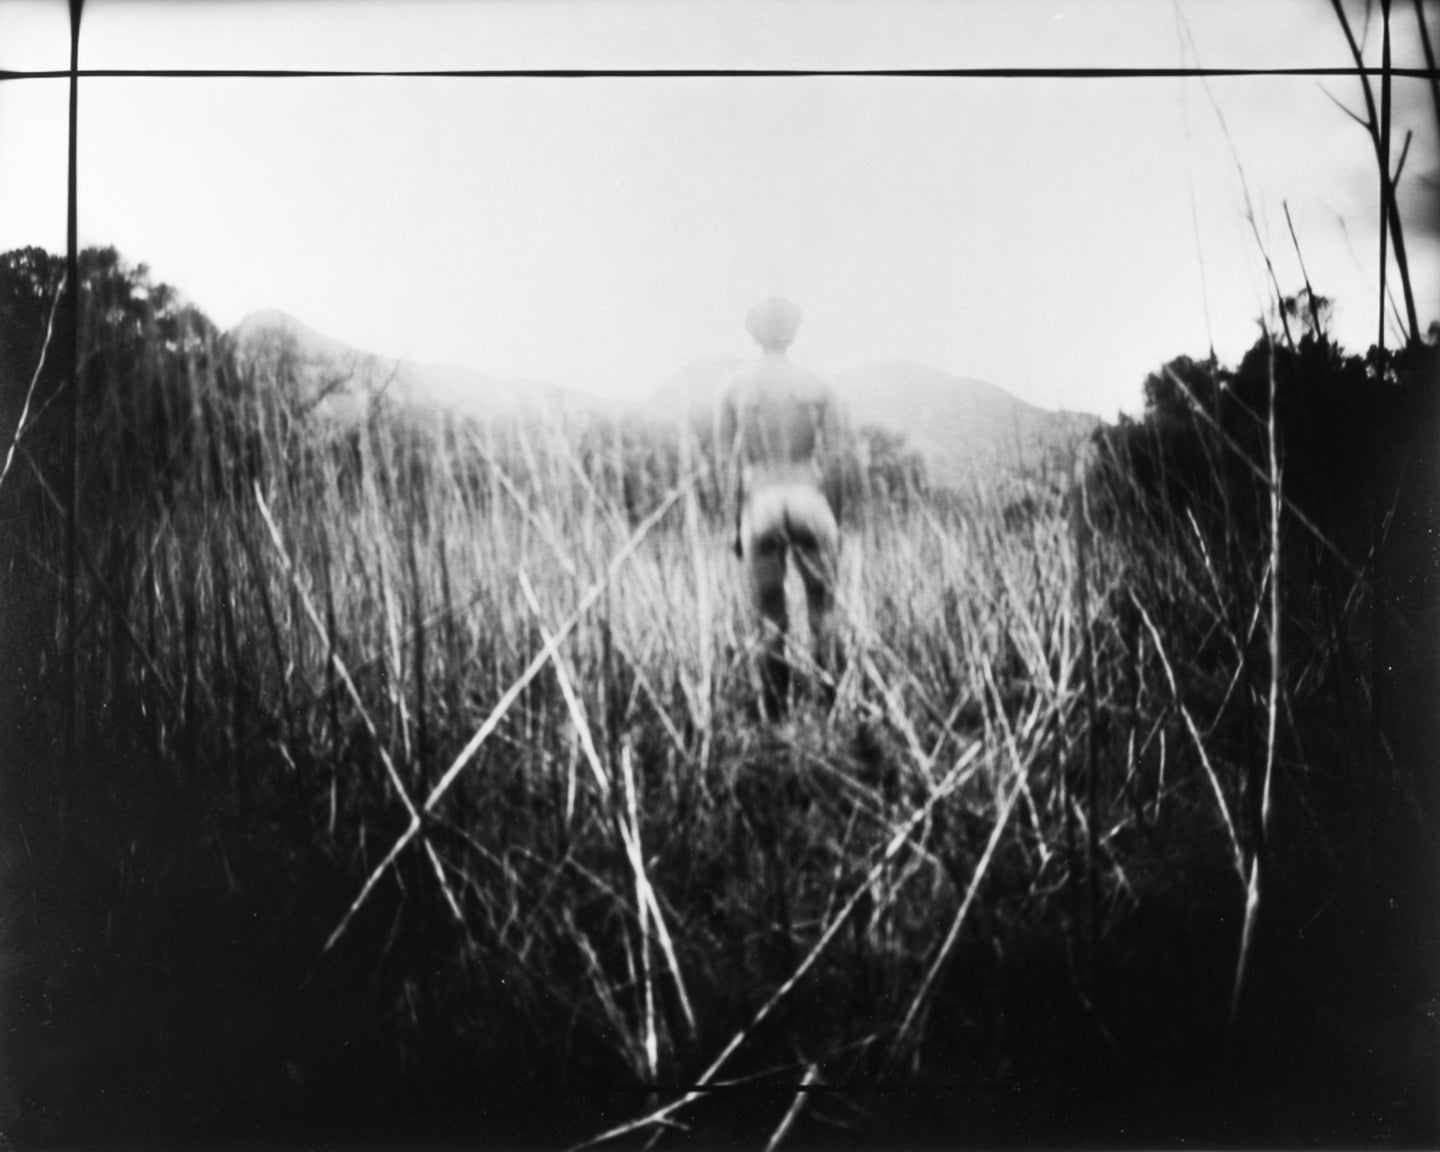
767 587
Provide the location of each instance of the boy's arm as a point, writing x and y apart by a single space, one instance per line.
834 451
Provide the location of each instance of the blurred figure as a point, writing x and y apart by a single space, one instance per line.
781 430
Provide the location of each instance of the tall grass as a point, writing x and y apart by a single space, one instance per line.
489 692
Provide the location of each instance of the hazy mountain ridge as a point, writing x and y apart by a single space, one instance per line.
960 426
342 381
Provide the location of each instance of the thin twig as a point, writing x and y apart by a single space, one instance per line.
1377 126
1304 275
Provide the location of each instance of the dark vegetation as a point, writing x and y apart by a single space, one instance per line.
1120 830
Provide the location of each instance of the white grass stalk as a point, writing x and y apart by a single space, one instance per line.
812 1074
648 905
630 826
34 380
1252 890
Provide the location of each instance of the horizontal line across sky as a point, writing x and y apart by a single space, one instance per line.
703 73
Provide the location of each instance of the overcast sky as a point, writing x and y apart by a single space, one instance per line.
1059 238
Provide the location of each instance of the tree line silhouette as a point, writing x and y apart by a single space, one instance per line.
1357 466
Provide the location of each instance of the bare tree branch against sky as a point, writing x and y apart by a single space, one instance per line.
602 233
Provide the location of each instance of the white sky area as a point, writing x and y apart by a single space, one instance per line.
1059 238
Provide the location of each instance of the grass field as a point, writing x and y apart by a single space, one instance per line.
419 793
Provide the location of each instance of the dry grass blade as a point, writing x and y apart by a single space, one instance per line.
34 380
630 826
812 1074
369 885
646 890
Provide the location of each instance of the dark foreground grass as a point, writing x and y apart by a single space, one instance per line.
420 796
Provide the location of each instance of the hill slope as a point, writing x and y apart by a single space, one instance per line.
342 382
960 426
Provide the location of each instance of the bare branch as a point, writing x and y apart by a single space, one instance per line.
1429 51
1355 116
1400 164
